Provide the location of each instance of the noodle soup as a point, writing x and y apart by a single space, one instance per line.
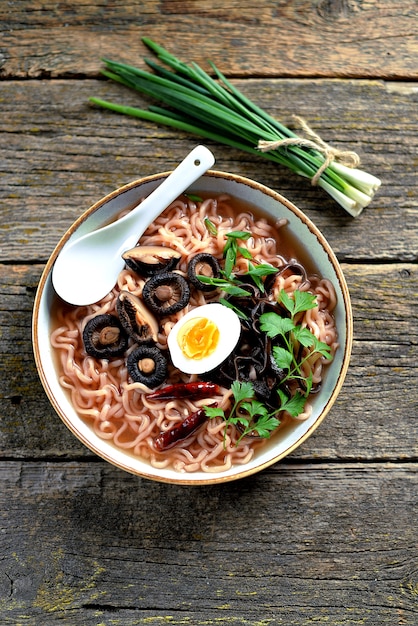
113 415
119 410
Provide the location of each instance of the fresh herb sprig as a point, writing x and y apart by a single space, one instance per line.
229 283
217 110
259 271
248 413
292 336
253 417
232 249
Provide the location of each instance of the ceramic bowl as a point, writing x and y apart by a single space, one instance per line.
288 439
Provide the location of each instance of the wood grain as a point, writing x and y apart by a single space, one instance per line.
374 416
343 38
66 155
328 535
103 547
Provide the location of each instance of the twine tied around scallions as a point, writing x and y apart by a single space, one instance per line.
315 142
217 110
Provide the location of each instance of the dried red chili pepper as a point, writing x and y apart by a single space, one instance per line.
194 390
179 432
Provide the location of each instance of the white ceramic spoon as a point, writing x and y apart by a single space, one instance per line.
87 269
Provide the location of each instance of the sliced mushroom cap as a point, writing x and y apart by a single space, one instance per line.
147 365
149 260
203 264
104 337
166 293
136 319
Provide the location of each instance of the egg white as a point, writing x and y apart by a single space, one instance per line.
229 326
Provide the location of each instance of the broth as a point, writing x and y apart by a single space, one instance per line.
116 408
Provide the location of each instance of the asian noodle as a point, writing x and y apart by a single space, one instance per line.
117 408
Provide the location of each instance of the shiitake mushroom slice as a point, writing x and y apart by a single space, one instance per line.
203 264
136 319
150 260
104 337
166 293
147 365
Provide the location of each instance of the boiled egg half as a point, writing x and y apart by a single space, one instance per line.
203 338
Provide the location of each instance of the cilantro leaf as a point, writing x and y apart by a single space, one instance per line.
323 348
273 324
295 345
265 425
242 391
259 420
293 405
239 419
214 411
304 336
301 301
304 301
286 301
253 415
254 408
282 357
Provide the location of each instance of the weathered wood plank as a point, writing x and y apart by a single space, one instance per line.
373 418
328 536
345 38
63 155
88 544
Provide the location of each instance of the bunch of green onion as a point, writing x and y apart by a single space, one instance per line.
215 109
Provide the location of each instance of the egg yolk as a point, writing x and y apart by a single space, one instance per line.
198 338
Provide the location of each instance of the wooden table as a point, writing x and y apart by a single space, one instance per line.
327 536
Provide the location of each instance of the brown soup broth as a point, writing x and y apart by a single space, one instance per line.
289 248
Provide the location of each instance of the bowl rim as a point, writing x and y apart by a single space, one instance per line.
209 478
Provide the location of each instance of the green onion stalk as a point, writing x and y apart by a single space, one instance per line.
215 109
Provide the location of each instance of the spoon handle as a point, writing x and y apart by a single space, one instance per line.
195 164
87 269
